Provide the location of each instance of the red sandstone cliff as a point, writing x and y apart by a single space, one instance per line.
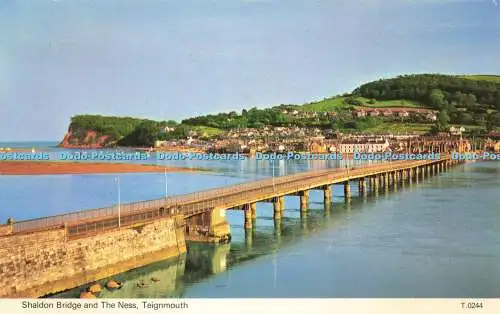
85 139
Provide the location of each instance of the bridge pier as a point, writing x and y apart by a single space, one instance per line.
248 218
386 183
304 200
327 194
210 226
277 206
253 209
375 182
376 185
362 186
347 190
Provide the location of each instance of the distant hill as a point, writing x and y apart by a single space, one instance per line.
436 91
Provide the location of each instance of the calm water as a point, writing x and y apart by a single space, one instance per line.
440 238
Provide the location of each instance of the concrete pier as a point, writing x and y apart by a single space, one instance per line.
376 182
304 200
248 219
253 208
347 189
327 194
362 186
277 207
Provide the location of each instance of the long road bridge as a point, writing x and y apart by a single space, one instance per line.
204 211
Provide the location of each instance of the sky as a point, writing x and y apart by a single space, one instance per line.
173 59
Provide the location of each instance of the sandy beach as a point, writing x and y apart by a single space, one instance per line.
49 167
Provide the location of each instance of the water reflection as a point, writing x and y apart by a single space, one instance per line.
158 280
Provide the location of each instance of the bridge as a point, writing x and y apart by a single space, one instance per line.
204 211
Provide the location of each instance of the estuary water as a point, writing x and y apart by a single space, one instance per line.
437 238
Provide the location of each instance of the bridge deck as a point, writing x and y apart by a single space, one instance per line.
225 197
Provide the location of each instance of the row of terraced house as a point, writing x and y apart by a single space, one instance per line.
426 114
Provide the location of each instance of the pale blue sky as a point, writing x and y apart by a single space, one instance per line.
166 59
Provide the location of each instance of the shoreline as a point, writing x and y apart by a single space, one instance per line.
62 167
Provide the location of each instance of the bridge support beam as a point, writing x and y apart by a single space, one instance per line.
210 226
253 209
278 207
304 200
347 189
248 218
362 186
327 194
375 182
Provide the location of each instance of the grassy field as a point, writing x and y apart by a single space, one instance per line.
492 78
210 132
331 104
394 103
334 104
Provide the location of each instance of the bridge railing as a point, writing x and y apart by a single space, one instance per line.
94 227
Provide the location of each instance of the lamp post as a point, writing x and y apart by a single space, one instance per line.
272 166
166 184
117 179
